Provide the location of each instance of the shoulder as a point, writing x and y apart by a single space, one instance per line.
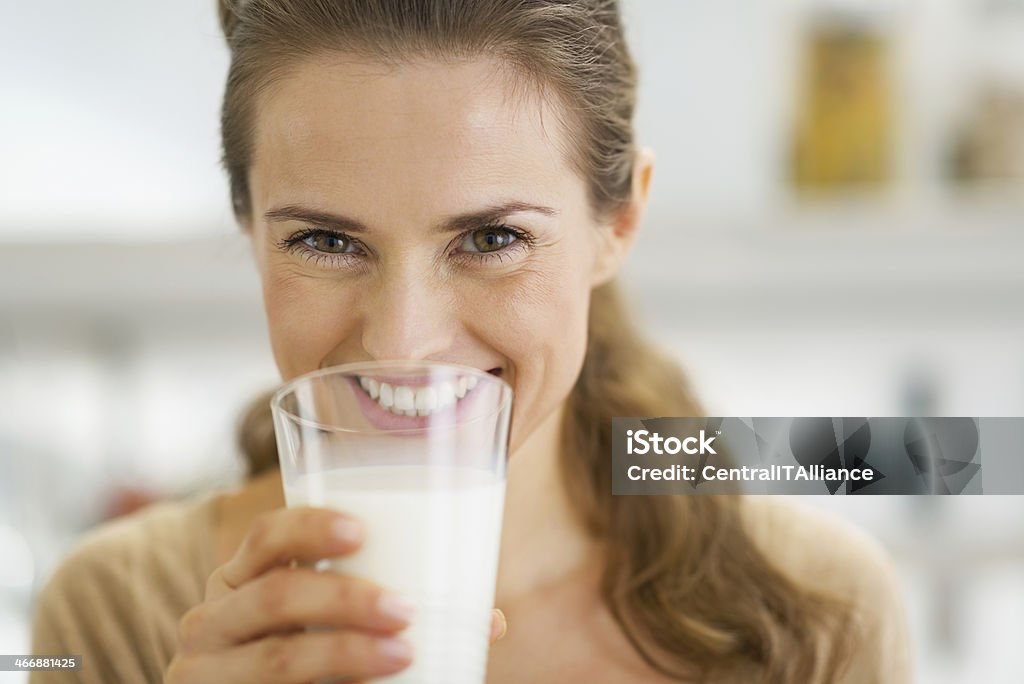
820 550
168 539
116 597
817 545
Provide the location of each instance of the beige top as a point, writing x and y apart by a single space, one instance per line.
117 598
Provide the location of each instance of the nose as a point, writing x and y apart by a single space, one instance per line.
408 316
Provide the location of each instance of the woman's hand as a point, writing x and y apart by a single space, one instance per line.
251 626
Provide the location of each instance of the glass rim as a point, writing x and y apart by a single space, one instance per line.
350 369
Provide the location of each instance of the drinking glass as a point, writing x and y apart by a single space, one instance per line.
418 451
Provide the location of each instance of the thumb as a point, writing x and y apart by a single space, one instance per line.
499 625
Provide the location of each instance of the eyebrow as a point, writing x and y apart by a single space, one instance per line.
459 223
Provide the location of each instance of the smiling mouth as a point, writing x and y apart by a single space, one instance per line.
418 398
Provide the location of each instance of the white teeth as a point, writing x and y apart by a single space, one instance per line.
404 400
418 401
445 395
426 399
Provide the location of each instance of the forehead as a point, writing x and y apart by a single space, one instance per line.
414 133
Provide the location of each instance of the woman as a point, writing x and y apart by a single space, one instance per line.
457 180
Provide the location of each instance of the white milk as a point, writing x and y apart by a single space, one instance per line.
432 535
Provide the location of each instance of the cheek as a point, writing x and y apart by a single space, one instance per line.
538 321
536 314
305 318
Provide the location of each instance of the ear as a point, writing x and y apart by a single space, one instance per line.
619 234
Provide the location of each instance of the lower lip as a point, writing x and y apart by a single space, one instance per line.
384 419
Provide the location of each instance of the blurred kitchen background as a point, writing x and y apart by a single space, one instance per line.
836 228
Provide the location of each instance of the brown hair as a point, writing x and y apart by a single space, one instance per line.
683 579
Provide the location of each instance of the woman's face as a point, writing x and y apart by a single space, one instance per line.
424 212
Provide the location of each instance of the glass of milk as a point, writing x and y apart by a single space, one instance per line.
417 450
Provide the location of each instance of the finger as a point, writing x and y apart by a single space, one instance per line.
499 625
305 657
288 598
301 533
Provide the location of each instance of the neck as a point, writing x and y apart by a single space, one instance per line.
542 544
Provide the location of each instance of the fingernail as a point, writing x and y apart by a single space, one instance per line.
348 530
395 650
395 606
502 624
